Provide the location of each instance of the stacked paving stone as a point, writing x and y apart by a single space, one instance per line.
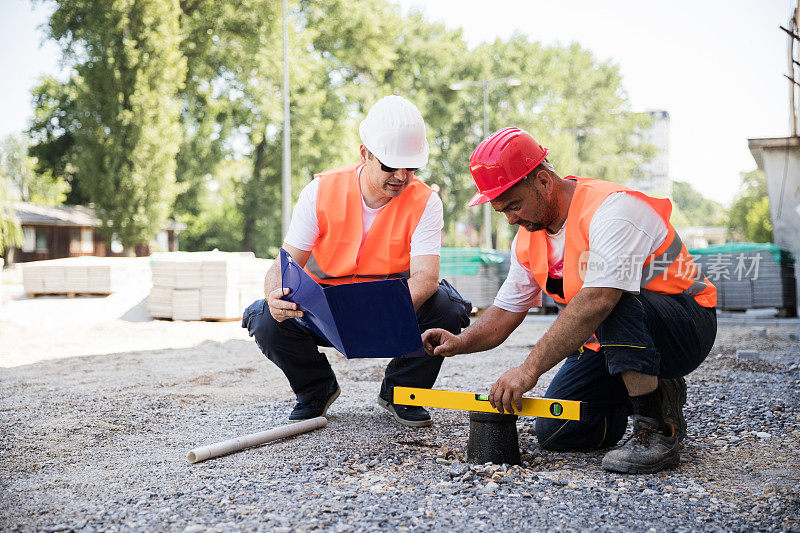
480 288
752 279
475 273
77 275
205 285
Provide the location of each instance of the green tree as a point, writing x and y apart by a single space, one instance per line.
433 57
344 55
693 209
127 73
570 102
18 166
335 49
10 231
51 132
218 222
749 215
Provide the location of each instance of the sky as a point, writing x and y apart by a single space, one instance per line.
716 66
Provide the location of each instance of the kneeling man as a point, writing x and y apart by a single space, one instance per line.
636 314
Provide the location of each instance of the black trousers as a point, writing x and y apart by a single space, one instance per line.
294 348
655 334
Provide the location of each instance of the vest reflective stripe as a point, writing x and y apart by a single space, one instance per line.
670 270
338 256
658 265
313 268
696 288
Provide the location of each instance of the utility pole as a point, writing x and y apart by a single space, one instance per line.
286 188
485 84
487 208
793 62
794 82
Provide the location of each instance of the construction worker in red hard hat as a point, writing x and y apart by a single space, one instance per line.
636 314
372 220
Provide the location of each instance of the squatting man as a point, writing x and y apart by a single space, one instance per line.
636 313
368 221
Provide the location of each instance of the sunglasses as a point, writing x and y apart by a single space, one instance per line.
393 170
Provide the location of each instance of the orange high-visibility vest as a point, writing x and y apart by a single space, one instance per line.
668 270
386 253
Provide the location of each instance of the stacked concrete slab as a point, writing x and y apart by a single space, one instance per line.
770 281
475 273
480 288
205 285
79 275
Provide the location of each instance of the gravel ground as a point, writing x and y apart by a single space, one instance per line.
95 436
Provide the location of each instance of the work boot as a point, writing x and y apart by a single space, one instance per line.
646 451
673 398
315 408
408 415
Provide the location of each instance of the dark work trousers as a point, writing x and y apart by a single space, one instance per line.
656 334
294 348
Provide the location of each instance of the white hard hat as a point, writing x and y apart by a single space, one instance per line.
394 132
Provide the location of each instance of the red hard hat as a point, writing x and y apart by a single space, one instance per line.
501 160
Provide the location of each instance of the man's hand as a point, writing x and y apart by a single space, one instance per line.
440 342
281 309
510 388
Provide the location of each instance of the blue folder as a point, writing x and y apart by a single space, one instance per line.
368 319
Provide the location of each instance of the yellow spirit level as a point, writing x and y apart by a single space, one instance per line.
466 401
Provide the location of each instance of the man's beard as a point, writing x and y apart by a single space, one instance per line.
548 212
397 188
532 227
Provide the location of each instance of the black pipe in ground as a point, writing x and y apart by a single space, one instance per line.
493 438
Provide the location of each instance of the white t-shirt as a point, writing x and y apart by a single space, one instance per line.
304 227
623 232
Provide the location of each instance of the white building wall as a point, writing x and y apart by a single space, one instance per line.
780 160
655 178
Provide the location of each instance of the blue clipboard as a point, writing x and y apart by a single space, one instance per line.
367 319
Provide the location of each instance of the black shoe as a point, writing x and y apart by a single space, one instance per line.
315 408
408 415
646 451
673 398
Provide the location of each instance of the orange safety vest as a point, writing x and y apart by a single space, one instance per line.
668 270
338 256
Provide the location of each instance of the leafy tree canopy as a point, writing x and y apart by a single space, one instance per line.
168 97
10 231
30 186
749 215
117 117
695 209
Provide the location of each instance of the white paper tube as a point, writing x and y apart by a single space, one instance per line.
254 439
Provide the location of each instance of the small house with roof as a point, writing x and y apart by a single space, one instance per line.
53 232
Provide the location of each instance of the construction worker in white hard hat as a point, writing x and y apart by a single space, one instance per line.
363 222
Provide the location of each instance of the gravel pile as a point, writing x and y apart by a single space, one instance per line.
99 443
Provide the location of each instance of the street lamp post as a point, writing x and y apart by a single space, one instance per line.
286 188
485 84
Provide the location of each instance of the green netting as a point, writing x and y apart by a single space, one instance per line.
739 247
466 261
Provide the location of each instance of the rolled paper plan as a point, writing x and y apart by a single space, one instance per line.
254 439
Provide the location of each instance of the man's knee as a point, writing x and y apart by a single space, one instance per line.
445 309
260 324
591 432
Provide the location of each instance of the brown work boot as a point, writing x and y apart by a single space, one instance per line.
646 451
673 397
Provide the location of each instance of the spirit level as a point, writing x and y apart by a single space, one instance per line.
466 401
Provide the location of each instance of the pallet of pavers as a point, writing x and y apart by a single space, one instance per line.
205 285
750 276
76 275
